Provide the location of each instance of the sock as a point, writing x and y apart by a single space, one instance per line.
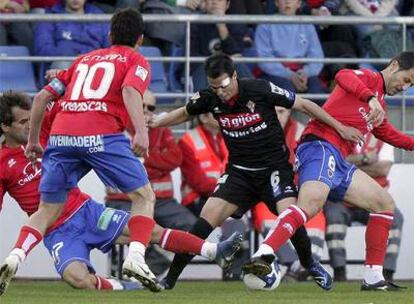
303 246
103 284
202 229
376 237
140 229
286 225
373 274
136 251
28 238
180 242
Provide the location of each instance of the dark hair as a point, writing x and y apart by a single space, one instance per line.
127 26
217 65
405 60
8 101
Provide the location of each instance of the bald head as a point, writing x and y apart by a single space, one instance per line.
149 98
149 104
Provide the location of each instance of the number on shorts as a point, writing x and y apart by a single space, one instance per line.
55 251
331 163
275 179
86 76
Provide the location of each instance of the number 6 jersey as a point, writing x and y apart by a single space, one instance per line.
92 102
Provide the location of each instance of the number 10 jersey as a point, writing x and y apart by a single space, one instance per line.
92 100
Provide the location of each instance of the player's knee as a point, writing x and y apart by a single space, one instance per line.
384 202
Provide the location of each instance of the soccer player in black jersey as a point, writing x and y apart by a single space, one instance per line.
258 167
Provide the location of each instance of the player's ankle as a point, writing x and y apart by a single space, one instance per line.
19 253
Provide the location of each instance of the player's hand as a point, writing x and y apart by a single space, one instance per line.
298 83
33 151
152 122
351 134
193 4
140 144
52 73
377 113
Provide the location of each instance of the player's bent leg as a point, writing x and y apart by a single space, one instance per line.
312 196
77 275
365 193
140 226
30 235
214 213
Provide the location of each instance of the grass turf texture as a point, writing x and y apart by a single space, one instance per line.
43 292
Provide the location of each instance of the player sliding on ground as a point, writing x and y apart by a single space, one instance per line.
84 223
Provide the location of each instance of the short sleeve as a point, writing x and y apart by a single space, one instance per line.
278 96
199 103
138 76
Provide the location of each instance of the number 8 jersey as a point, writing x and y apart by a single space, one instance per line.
92 102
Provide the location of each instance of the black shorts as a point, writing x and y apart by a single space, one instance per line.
245 188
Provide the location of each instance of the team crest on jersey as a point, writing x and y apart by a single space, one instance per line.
251 105
141 72
11 162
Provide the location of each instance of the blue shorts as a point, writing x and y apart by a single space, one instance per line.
92 226
319 160
68 158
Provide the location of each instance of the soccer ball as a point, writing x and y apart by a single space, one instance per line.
266 282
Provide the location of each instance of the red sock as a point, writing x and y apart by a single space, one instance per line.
287 223
376 237
180 242
28 238
140 229
102 283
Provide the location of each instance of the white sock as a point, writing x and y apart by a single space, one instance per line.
20 253
116 285
209 250
263 249
373 274
136 252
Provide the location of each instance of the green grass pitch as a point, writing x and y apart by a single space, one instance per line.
43 292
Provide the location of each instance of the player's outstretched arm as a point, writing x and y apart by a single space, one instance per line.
175 117
313 110
40 102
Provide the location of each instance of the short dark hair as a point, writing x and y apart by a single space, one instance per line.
405 60
127 26
218 64
8 101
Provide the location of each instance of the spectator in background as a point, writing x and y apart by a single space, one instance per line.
406 8
40 6
246 7
164 156
374 158
208 39
16 33
70 38
338 40
369 8
290 41
165 34
110 6
204 160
